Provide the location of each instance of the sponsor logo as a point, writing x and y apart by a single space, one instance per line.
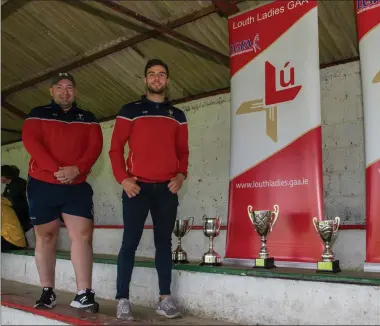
245 46
363 5
273 96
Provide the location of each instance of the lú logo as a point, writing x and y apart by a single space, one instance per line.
272 96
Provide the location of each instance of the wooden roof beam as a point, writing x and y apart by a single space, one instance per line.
110 50
226 8
165 30
12 131
11 108
9 7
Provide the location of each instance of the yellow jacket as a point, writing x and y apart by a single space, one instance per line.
11 229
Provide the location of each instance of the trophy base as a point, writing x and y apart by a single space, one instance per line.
216 264
211 260
179 257
266 263
328 267
179 261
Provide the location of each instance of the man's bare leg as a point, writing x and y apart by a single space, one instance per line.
45 251
80 231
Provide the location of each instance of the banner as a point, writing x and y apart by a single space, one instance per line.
276 146
368 27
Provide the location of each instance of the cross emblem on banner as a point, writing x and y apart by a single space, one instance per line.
376 79
272 96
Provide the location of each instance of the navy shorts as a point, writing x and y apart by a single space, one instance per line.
48 201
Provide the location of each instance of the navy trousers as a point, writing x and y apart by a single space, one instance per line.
162 204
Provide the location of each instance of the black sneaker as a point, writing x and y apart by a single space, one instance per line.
47 299
85 301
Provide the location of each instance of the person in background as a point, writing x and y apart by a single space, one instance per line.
15 192
64 143
12 233
151 177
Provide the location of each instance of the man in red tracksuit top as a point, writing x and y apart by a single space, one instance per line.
64 142
151 177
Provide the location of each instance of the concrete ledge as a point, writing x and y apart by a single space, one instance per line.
360 278
231 294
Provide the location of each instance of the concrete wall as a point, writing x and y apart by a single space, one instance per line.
206 191
343 143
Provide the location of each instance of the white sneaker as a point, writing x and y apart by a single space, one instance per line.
124 310
168 308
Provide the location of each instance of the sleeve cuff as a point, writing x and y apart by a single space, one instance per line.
122 178
81 168
184 174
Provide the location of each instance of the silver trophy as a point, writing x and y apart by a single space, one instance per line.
211 228
181 228
263 222
326 230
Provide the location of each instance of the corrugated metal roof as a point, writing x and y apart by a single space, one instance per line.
124 71
44 35
165 11
12 122
53 32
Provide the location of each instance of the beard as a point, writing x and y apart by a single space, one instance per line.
63 101
157 91
65 104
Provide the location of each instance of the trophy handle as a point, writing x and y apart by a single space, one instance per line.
336 224
275 213
249 208
190 226
315 220
219 224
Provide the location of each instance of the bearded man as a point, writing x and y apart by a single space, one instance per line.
151 177
64 143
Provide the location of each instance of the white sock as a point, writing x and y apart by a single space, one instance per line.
81 292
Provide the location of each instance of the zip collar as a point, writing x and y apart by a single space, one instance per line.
166 103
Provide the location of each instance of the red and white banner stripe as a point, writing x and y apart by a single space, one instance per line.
276 150
368 27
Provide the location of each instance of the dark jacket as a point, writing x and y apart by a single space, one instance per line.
16 193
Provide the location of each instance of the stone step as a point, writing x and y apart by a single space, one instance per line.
22 297
229 293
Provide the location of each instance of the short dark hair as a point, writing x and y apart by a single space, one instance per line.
156 62
10 171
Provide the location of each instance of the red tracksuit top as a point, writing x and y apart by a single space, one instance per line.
157 135
55 138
